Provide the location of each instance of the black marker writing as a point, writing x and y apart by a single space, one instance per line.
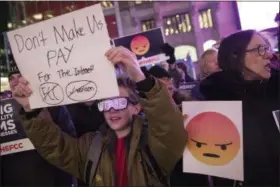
82 70
62 53
45 76
48 92
62 73
30 43
95 23
82 90
51 93
70 34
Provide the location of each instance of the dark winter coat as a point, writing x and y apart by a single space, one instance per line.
261 137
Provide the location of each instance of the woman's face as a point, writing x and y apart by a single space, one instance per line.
211 63
257 59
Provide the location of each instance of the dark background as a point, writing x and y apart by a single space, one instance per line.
4 10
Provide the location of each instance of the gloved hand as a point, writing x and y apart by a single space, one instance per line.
169 51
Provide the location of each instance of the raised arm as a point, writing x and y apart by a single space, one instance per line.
57 147
167 137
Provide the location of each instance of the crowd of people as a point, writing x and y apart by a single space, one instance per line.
138 138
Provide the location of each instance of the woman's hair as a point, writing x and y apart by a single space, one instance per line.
233 48
202 62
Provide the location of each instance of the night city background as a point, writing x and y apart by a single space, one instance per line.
190 27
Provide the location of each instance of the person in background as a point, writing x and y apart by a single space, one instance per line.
29 168
161 74
177 95
208 64
246 75
183 70
133 154
83 114
168 50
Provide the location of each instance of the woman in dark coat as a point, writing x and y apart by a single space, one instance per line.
246 75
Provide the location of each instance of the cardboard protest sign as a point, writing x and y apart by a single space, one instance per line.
276 115
63 58
215 139
146 45
12 136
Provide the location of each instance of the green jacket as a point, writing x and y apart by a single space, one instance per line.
166 138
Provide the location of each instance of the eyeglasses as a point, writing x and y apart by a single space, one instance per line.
117 103
261 49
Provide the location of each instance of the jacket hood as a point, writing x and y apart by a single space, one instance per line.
231 86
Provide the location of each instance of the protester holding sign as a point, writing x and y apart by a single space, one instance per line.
21 165
246 75
131 154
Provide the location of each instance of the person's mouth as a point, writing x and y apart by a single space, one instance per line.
211 155
115 119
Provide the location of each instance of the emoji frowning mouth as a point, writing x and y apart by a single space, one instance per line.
211 155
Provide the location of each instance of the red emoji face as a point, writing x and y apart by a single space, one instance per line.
213 138
140 45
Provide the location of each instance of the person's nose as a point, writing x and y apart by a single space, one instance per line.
268 55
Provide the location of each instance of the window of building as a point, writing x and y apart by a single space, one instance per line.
107 4
176 24
205 19
142 2
148 25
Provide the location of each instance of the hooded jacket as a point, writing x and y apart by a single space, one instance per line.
166 140
261 137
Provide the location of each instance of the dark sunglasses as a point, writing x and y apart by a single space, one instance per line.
117 103
261 49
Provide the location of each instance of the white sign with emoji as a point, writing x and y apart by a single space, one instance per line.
215 139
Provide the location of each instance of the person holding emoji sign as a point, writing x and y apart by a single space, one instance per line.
247 75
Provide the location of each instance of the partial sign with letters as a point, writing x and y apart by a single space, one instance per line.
146 45
13 138
188 86
64 58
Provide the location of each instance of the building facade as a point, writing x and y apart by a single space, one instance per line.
191 27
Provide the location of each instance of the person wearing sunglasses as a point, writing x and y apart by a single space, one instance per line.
126 158
246 75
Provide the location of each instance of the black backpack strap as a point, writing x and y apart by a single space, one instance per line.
93 157
145 147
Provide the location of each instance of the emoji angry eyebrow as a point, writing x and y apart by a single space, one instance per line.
198 142
223 144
